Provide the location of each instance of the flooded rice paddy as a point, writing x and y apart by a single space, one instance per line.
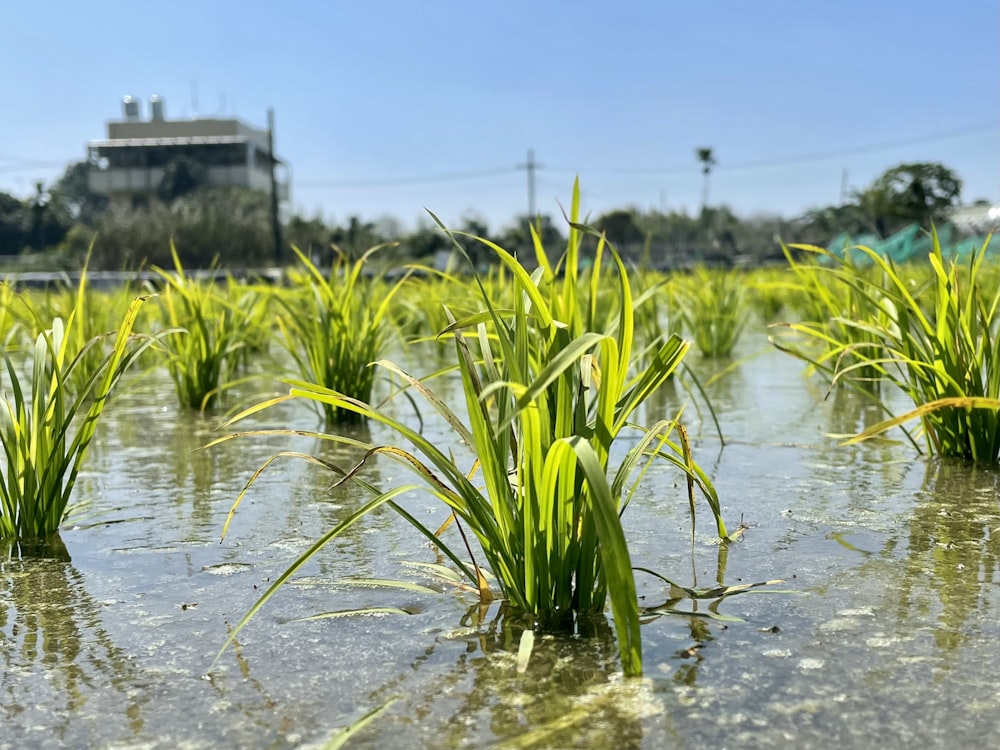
887 638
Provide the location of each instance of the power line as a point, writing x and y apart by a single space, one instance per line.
25 165
417 180
30 166
792 160
871 148
11 157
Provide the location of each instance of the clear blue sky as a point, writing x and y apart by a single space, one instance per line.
380 105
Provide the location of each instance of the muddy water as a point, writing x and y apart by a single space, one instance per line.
882 635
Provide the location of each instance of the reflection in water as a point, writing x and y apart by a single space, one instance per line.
316 488
701 611
852 411
701 634
570 694
664 403
266 713
50 626
954 549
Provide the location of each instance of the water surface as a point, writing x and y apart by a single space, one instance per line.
887 638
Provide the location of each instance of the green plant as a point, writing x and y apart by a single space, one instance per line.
46 425
654 309
714 310
208 334
548 388
418 310
336 327
767 294
943 354
11 325
837 301
251 305
93 313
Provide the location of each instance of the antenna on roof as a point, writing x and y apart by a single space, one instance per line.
194 99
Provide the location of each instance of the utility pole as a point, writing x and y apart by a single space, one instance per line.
275 219
530 166
843 187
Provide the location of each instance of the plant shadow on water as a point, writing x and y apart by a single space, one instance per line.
50 625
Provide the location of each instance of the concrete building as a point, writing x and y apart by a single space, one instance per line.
129 164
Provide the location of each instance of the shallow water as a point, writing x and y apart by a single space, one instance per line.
886 639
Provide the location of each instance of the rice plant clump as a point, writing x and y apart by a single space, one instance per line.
835 338
714 310
336 326
548 386
937 343
209 333
47 420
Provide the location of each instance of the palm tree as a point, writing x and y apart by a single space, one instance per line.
707 160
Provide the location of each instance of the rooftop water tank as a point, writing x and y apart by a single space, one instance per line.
156 108
130 105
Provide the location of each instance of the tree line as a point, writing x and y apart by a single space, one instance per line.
231 226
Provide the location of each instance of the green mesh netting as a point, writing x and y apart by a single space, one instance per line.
911 243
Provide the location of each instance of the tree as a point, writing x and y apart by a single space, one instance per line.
73 194
13 224
674 237
876 205
516 238
621 229
424 243
49 220
721 226
478 253
820 225
311 236
356 238
707 160
920 192
181 176
227 225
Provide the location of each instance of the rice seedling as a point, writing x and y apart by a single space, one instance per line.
251 305
654 308
942 353
548 387
336 327
208 334
714 310
418 310
767 293
94 313
833 300
11 326
46 424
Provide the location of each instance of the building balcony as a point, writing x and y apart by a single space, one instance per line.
145 180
